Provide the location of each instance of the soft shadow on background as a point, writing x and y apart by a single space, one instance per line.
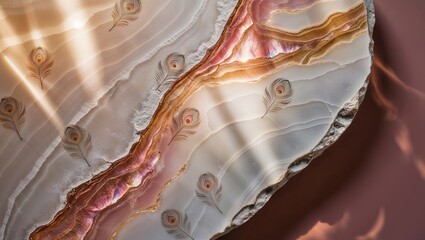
371 183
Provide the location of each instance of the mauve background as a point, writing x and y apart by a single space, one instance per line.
371 183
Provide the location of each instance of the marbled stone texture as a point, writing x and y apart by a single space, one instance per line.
216 127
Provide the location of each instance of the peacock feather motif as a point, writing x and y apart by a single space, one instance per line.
12 115
209 190
184 124
174 67
39 64
277 95
172 221
77 142
125 11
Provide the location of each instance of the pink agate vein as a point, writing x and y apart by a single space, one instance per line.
253 16
108 192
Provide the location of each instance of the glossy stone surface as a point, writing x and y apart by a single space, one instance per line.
211 129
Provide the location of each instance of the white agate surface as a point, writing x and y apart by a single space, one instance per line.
101 81
245 152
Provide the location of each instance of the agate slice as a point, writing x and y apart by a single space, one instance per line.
143 119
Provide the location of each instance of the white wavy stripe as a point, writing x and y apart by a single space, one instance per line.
61 28
261 177
196 219
225 8
38 164
90 104
143 116
111 83
87 107
258 139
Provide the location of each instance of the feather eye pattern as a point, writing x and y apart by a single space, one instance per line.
125 11
184 124
12 114
175 64
77 142
209 190
277 95
39 64
172 221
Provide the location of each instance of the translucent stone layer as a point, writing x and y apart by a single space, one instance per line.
211 129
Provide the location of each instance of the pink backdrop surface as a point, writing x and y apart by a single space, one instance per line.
371 183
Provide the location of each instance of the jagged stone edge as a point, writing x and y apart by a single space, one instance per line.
343 119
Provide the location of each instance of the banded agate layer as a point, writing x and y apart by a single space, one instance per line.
168 119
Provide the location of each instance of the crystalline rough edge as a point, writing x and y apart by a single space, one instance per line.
340 124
